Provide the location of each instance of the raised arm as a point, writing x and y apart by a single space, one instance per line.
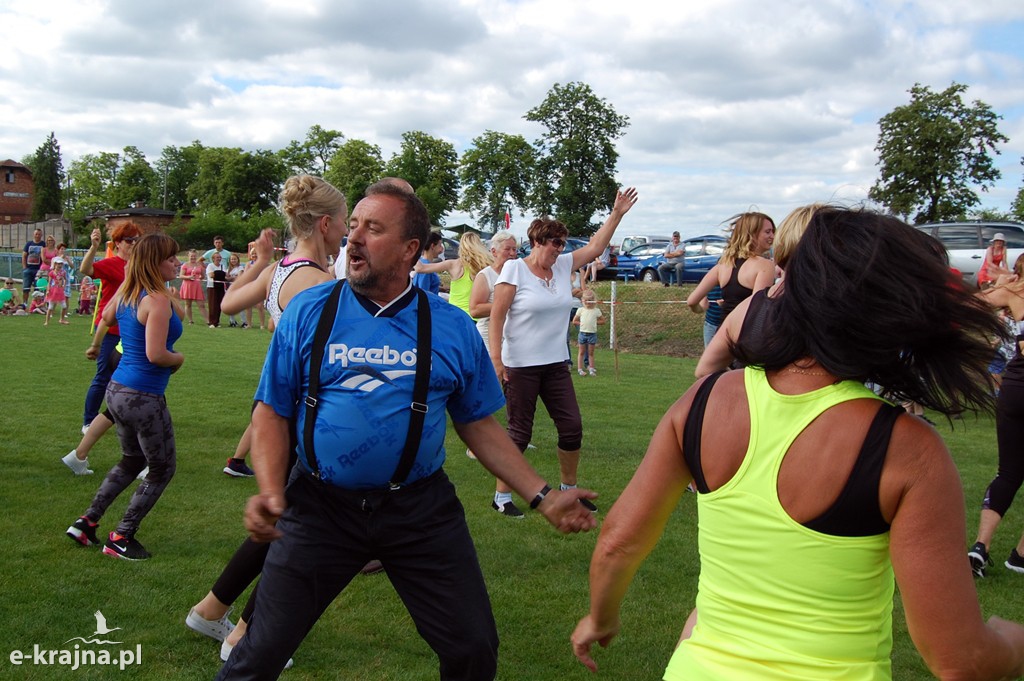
624 200
632 529
94 243
927 548
452 267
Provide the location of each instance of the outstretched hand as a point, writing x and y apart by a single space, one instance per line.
624 200
265 245
584 637
261 515
562 508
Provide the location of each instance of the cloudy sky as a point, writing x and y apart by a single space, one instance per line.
734 104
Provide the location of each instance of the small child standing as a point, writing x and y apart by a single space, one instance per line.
587 318
55 292
86 294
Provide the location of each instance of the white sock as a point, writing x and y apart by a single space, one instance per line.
563 486
502 498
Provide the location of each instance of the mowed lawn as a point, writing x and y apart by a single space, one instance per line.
50 587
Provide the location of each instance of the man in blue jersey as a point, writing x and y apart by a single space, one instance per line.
325 528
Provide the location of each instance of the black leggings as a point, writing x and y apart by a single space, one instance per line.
1010 439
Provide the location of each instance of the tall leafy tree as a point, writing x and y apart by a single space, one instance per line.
932 151
431 166
136 182
496 172
178 169
93 178
354 167
48 176
312 156
1017 207
575 176
233 180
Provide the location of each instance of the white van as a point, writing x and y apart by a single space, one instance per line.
630 242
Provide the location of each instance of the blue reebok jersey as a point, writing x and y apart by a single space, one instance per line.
366 384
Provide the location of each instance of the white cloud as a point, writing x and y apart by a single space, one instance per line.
733 104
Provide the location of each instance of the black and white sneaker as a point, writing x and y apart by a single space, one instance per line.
1015 562
978 556
508 509
236 468
83 531
127 548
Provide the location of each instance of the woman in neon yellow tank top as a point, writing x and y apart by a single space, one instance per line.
473 257
815 496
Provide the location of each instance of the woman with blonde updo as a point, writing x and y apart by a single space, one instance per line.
316 214
473 257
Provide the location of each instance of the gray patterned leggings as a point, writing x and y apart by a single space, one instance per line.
147 438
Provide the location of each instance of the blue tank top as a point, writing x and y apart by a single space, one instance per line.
135 370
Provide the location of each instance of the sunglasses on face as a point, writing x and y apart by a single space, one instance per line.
130 239
556 242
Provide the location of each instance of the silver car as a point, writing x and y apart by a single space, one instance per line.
967 241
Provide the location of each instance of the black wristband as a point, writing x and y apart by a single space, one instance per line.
540 497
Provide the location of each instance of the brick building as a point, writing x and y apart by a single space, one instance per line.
148 219
16 193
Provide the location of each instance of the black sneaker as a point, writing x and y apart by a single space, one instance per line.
979 559
589 505
1015 562
508 509
128 548
236 468
83 531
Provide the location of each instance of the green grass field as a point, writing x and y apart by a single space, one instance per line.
50 587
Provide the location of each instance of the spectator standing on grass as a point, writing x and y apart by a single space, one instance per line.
149 319
218 247
110 272
348 498
216 276
532 299
86 295
31 261
741 271
675 261
503 248
813 492
192 290
1009 432
315 212
587 319
48 254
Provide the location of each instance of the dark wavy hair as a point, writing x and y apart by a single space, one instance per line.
872 299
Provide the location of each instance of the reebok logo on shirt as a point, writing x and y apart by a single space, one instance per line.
385 356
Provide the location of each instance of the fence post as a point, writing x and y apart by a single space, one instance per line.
612 343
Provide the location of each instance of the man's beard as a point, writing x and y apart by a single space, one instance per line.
371 280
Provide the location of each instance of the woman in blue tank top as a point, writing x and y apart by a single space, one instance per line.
150 321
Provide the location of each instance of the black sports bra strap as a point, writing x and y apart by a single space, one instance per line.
692 431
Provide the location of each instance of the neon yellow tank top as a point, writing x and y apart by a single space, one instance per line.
458 294
775 599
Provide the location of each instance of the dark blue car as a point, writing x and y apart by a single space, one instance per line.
701 254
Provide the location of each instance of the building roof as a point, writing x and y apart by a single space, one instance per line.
8 163
133 212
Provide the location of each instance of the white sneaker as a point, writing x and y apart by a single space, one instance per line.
77 466
85 429
215 629
225 653
142 474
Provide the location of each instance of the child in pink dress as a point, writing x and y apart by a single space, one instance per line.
86 295
55 294
192 289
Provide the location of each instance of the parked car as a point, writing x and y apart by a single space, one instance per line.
626 262
571 244
700 252
630 242
967 241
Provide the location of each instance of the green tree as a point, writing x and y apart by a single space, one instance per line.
354 167
932 150
1017 207
232 180
178 169
136 182
93 177
48 176
312 155
496 172
575 175
431 166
